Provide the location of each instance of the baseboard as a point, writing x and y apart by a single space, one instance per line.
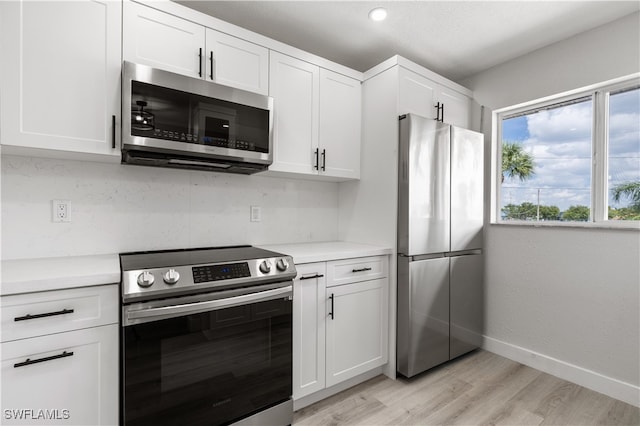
589 379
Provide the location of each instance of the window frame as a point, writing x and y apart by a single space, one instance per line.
599 94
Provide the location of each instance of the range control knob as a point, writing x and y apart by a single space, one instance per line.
265 266
145 279
171 276
282 264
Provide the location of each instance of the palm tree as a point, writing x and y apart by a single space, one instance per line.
630 190
516 162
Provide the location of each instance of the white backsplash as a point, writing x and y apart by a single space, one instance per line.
117 208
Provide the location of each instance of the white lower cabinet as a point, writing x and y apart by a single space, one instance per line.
69 377
66 378
309 329
340 326
356 329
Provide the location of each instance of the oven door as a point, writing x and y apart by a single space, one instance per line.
206 359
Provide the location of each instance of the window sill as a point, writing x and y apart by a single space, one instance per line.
632 225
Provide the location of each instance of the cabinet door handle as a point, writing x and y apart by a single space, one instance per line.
310 277
437 107
317 154
211 63
48 314
442 115
331 312
113 130
324 159
200 62
48 358
360 270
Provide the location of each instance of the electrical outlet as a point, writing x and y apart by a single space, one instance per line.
61 210
256 214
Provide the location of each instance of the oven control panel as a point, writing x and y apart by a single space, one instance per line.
169 281
202 274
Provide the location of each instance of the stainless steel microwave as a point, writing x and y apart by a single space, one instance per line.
171 120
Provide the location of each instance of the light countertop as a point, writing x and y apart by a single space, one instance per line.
326 251
55 273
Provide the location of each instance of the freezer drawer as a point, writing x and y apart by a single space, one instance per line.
423 314
467 301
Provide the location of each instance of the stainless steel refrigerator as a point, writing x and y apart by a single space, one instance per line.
440 220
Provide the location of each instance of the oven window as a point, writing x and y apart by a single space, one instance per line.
163 113
208 368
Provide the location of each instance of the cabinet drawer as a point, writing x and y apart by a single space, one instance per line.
358 269
47 312
71 377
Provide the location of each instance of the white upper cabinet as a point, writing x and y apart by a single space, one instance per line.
419 95
165 41
237 63
295 88
317 119
416 94
456 107
60 83
340 123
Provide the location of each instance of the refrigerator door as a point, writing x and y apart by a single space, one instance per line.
467 300
467 189
423 314
423 186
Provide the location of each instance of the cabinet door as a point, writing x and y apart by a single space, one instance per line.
72 377
467 300
417 94
309 329
61 75
294 86
237 63
457 107
163 41
356 313
340 120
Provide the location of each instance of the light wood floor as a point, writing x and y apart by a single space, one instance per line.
480 388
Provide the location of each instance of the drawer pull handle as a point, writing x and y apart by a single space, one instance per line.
48 314
360 270
48 358
310 277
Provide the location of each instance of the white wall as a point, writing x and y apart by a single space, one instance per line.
565 300
117 208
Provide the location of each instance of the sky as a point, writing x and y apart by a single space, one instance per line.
559 140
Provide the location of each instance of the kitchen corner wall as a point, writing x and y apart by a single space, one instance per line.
565 300
117 208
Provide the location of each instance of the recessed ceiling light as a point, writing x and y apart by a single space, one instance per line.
378 14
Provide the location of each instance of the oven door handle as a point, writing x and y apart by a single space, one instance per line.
155 314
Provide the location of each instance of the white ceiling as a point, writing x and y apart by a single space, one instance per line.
453 38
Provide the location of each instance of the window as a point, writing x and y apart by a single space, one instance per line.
571 159
623 175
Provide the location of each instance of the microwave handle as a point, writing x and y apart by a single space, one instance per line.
156 314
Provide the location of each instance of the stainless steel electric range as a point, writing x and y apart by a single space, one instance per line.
206 337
